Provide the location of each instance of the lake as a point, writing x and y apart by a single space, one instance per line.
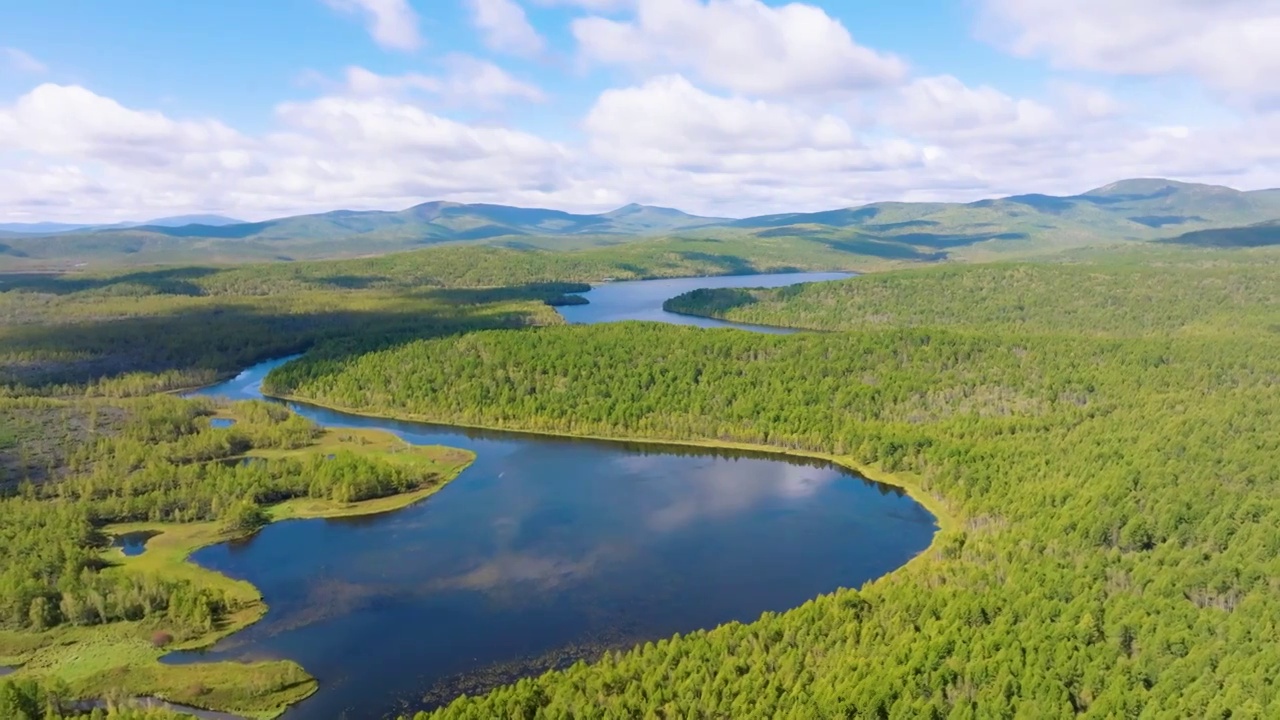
642 299
547 550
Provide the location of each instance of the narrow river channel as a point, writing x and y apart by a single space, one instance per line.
548 550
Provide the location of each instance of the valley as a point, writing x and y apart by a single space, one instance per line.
1088 431
639 360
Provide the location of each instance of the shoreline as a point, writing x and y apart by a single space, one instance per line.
168 554
946 519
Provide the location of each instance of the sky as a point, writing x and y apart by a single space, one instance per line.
128 111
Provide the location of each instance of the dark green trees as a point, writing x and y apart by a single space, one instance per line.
1114 482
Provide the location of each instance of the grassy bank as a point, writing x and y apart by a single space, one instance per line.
122 659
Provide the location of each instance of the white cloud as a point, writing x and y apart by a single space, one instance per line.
22 61
79 154
470 77
942 105
1087 103
70 121
670 142
669 116
591 5
68 153
740 45
360 81
353 126
392 23
505 28
1228 44
468 81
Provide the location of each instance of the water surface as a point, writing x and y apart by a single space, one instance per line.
547 550
133 543
642 299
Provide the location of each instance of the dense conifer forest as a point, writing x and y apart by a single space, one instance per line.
1109 294
159 464
1111 482
1097 435
133 332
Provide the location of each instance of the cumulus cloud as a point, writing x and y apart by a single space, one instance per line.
668 114
932 139
392 23
70 121
671 136
384 141
942 106
1228 44
505 28
22 61
92 156
739 45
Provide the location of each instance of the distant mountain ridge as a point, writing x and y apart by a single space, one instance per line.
49 228
1141 209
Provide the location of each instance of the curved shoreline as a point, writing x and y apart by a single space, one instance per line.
935 505
177 542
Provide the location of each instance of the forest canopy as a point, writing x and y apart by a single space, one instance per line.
1100 433
1114 479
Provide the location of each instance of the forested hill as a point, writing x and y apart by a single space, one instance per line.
1138 294
1129 210
1257 235
188 325
1114 494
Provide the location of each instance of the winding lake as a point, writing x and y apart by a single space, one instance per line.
548 550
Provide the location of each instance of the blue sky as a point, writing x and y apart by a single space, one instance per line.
114 111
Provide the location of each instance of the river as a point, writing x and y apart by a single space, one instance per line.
547 550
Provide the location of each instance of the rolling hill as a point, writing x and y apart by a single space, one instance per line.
1125 211
1257 235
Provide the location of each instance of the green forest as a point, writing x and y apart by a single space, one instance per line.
1096 434
158 464
1110 294
1110 481
133 332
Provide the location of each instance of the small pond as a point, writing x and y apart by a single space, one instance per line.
133 543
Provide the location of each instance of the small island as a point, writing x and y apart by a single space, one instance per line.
219 481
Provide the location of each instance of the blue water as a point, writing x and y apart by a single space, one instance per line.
221 422
642 299
548 550
133 543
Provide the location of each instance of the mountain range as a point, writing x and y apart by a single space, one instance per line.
53 228
1129 210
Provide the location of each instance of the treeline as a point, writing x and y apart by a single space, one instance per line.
50 700
166 464
31 700
1116 498
134 332
1152 294
133 346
